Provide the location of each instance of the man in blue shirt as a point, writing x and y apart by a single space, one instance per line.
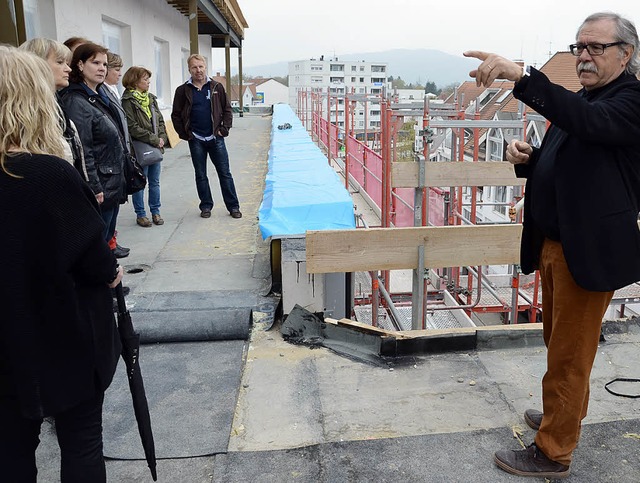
202 116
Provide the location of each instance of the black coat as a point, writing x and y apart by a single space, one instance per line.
103 141
59 344
597 179
221 112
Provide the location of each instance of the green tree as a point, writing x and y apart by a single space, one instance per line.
398 83
405 142
432 88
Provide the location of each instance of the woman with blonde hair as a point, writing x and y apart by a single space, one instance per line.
59 344
58 57
147 125
110 88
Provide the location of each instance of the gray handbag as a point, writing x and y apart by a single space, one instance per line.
145 153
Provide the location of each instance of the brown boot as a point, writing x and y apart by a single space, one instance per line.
143 221
533 418
530 462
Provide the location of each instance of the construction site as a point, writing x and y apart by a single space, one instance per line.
454 206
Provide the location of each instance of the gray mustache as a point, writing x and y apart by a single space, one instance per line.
587 67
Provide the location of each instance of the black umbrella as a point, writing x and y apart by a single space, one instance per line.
130 353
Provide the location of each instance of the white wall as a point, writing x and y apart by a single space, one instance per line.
274 92
142 23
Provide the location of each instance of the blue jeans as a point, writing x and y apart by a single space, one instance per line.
217 151
110 216
152 173
79 432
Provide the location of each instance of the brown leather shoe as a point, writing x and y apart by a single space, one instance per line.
157 219
143 221
205 213
530 462
533 418
235 213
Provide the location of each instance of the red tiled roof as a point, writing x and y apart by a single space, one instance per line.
560 69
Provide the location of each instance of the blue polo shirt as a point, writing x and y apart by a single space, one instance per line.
201 122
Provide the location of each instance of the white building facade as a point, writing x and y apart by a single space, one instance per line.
341 77
149 33
270 92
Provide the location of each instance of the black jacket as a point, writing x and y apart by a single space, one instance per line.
103 141
597 179
221 113
59 344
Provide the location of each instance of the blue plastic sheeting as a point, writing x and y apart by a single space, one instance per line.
302 192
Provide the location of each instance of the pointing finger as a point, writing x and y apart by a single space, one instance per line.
476 54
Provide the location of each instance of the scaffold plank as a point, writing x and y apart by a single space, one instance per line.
397 248
485 173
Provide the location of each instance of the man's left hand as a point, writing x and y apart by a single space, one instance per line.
493 67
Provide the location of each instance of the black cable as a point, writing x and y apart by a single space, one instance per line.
621 379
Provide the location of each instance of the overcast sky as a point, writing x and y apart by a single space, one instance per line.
286 30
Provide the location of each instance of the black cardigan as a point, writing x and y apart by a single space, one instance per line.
58 340
597 179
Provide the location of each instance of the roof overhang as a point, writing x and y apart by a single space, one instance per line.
217 18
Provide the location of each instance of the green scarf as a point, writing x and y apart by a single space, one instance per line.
143 99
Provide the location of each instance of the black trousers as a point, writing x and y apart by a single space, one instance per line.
79 432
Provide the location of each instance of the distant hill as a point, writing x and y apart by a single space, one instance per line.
412 65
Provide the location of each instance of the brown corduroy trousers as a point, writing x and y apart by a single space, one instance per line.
571 319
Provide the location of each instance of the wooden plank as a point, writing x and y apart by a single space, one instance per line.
482 173
353 324
397 248
172 135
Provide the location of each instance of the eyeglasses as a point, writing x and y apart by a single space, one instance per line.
592 49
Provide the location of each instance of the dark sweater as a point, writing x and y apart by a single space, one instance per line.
58 340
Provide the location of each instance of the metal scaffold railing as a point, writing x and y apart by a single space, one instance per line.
442 185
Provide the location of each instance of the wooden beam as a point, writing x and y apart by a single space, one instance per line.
397 248
483 173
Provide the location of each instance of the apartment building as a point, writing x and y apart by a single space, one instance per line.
339 78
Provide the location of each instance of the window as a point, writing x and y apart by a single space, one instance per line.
353 79
185 68
337 79
112 36
376 91
378 68
316 79
353 68
31 18
374 113
501 197
377 79
374 123
161 72
362 68
361 79
315 67
361 90
337 68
